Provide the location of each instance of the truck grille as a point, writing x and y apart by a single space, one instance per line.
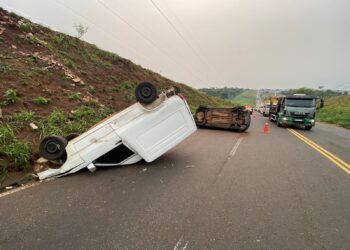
299 115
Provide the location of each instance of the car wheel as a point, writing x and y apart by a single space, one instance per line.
146 92
53 147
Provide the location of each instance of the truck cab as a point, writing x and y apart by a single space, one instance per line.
266 109
296 109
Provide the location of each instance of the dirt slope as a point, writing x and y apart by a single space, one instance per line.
62 85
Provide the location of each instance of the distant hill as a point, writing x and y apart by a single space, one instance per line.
247 97
224 93
62 85
237 96
315 92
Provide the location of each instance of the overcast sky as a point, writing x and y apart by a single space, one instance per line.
238 43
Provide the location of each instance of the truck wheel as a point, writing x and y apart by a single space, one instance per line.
53 147
279 124
308 127
146 92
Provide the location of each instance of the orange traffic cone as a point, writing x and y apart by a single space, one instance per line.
266 128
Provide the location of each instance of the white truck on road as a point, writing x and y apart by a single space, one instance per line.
145 130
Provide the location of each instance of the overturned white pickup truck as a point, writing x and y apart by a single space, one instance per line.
145 130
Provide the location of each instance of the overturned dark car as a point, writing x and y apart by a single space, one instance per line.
235 118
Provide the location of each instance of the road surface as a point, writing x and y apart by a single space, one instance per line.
216 190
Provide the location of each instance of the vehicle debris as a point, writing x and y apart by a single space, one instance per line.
146 130
236 118
33 126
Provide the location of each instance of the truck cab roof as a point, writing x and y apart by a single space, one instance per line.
300 97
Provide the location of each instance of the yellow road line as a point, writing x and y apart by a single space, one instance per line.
340 163
324 150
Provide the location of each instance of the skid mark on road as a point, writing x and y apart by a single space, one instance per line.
336 160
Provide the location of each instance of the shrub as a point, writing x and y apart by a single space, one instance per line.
58 38
41 100
13 14
25 27
11 96
81 30
69 63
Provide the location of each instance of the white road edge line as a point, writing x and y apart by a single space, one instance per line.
235 147
15 190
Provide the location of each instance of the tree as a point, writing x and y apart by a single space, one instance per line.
81 30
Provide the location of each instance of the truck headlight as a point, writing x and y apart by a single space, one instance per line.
284 118
312 120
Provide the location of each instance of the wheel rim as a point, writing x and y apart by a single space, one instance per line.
52 147
146 92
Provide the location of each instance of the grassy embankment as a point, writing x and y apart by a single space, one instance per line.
336 111
62 85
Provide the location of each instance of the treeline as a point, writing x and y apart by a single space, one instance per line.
315 92
224 93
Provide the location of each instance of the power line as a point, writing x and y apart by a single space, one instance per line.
189 32
138 32
342 85
99 28
108 34
176 30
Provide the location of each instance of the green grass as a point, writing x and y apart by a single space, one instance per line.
75 96
4 67
248 97
23 117
69 63
40 100
58 38
336 111
16 151
84 117
11 96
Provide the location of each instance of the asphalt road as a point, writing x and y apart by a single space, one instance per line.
216 190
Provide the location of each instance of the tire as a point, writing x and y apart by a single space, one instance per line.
53 147
308 127
278 123
146 92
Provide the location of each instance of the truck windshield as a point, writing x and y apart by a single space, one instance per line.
307 103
